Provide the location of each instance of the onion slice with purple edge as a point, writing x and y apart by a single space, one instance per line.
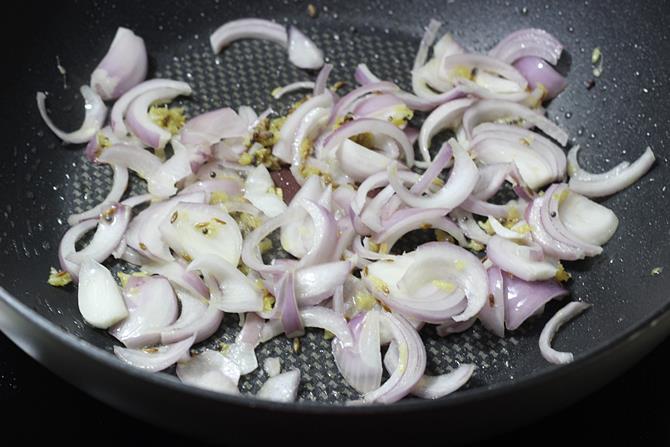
293 87
525 261
446 116
325 235
317 316
281 388
288 307
492 109
411 362
607 183
523 299
567 313
95 113
119 185
177 274
528 42
316 283
455 63
123 67
321 82
361 364
197 319
259 189
155 359
67 245
121 105
98 298
144 163
210 370
140 123
538 72
231 290
430 283
432 387
152 306
462 180
492 315
112 225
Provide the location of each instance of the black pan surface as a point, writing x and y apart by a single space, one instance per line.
625 111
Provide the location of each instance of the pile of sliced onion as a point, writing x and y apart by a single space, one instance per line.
335 183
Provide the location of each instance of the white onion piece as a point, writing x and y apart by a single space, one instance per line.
292 87
432 387
197 230
491 110
568 312
411 364
446 116
120 107
247 29
272 366
123 67
95 113
528 42
175 169
152 306
302 52
259 190
281 388
467 223
321 82
324 239
67 245
315 284
235 292
242 352
316 316
359 162
427 40
519 259
210 370
492 315
507 233
600 185
119 185
361 364
99 298
144 163
462 180
587 220
195 321
155 359
112 225
455 63
176 273
297 233
140 123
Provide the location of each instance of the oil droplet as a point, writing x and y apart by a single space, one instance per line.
568 115
592 136
571 29
524 11
645 90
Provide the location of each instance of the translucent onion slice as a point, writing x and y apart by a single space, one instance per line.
568 312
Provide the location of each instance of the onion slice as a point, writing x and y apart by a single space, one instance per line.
155 359
567 313
119 185
99 298
95 113
281 388
210 370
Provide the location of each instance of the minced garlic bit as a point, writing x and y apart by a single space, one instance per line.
171 119
561 274
459 264
596 55
103 141
475 246
379 284
224 347
373 246
560 197
217 197
486 226
522 229
527 140
268 302
461 72
246 159
327 335
656 271
364 300
59 278
401 116
265 245
246 222
444 285
338 85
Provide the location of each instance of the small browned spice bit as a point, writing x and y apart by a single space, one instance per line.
311 10
212 174
296 345
143 246
217 220
590 84
491 300
174 216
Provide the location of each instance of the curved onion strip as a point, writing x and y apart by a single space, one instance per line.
176 273
288 307
321 82
523 299
210 370
519 259
119 185
462 179
144 163
469 226
567 313
155 359
112 225
123 67
140 123
325 235
612 181
528 42
292 87
411 364
492 315
447 115
251 255
247 29
281 388
317 316
315 284
346 103
493 109
302 52
455 63
539 73
200 325
426 42
95 109
116 118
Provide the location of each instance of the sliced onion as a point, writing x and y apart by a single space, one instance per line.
144 163
292 87
272 366
361 364
247 29
67 246
99 299
302 52
480 62
427 40
316 316
528 42
315 284
462 180
359 162
231 290
446 116
112 225
210 370
525 261
119 185
587 220
600 185
95 109
177 274
492 315
155 359
197 319
196 230
567 313
281 388
325 235
251 255
411 364
123 67
121 105
524 299
469 226
140 123
491 110
259 190
411 219
538 72
152 306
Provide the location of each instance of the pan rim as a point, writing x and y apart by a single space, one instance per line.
461 397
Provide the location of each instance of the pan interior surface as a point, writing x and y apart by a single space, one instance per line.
615 120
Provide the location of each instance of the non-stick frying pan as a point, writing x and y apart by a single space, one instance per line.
615 119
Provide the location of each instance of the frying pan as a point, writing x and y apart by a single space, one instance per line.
43 182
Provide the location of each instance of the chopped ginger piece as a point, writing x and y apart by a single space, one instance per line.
486 226
171 119
444 285
363 301
265 245
561 274
379 284
475 246
461 72
268 302
218 197
246 159
59 278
